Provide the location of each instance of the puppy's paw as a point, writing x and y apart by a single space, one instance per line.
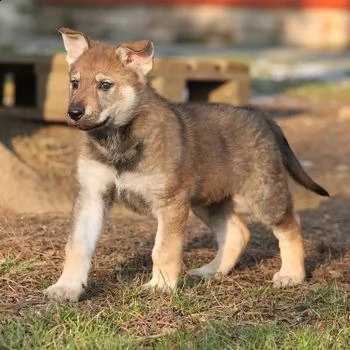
64 292
283 280
160 285
201 272
205 271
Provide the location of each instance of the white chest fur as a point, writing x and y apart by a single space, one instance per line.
96 178
145 185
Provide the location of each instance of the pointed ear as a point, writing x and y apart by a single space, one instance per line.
137 55
75 43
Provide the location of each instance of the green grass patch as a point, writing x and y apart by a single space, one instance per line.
61 328
8 49
315 91
11 264
320 91
269 86
203 316
268 336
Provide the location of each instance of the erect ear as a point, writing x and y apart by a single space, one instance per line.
75 43
137 55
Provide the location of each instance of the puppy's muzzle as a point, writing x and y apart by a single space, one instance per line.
76 112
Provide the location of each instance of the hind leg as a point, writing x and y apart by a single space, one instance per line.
231 233
272 204
292 271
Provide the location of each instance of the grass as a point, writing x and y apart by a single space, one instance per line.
60 328
317 319
8 49
321 91
269 86
315 91
10 265
240 311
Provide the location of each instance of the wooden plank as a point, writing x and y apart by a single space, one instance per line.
214 80
56 95
197 68
172 89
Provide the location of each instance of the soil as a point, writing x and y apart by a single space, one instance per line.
38 159
41 164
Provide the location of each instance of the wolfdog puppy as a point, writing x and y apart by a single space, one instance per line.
165 159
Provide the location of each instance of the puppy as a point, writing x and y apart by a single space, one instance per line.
164 159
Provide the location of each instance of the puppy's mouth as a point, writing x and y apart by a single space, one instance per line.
95 126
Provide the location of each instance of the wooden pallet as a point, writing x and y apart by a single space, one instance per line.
36 87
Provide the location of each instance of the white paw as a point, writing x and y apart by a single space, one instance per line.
64 292
283 280
205 271
160 284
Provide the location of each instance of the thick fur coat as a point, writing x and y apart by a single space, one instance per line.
165 159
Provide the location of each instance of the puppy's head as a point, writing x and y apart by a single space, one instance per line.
106 81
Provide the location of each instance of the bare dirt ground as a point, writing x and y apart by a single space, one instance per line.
318 136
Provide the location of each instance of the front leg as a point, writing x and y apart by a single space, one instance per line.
168 247
90 211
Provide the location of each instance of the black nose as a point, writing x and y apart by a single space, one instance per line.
76 112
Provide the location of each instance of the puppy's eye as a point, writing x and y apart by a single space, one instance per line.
74 83
105 85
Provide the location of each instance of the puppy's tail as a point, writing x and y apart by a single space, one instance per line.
292 164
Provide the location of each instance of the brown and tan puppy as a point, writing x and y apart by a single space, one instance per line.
165 159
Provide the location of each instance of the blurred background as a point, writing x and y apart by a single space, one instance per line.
278 39
30 25
288 57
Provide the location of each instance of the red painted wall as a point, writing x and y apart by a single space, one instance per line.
340 4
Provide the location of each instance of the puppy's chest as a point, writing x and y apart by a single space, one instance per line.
137 191
117 149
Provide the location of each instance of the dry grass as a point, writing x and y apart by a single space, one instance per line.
241 310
